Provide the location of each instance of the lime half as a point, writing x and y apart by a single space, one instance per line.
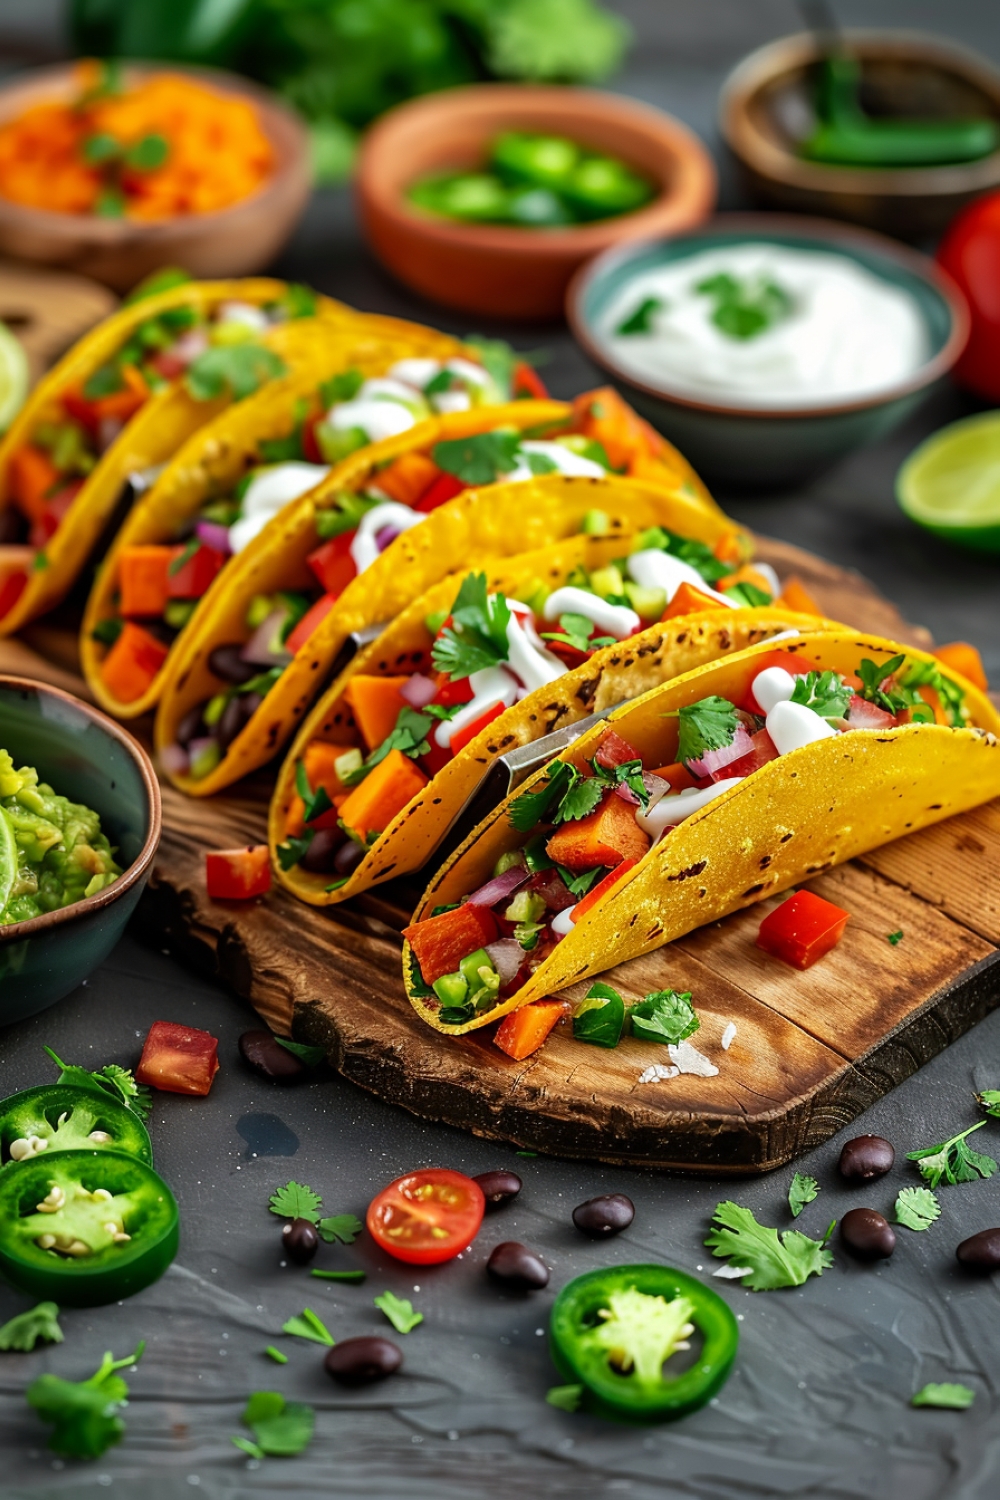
951 483
13 377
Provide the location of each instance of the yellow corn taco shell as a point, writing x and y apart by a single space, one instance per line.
154 434
794 818
499 520
215 457
616 674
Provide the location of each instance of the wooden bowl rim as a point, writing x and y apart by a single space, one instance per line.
757 225
134 872
282 126
790 53
692 190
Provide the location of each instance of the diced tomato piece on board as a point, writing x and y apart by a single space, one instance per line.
763 751
196 574
333 564
526 384
864 715
802 929
178 1059
602 888
606 836
440 943
445 487
238 874
132 664
463 737
310 621
615 751
523 1031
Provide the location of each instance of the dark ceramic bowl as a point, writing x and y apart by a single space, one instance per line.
86 757
754 448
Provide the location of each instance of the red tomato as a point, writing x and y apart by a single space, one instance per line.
178 1059
238 874
802 929
463 737
444 487
427 1217
526 384
333 564
193 577
970 253
310 621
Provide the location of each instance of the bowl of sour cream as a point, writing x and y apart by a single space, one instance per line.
767 347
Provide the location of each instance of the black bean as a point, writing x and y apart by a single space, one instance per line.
349 856
300 1241
12 525
321 856
227 663
498 1188
191 727
268 1057
600 1217
236 716
362 1361
867 1234
981 1252
517 1267
865 1157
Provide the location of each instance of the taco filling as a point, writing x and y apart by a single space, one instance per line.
584 831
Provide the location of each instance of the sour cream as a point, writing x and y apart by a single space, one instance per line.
364 547
611 619
267 493
846 334
377 417
653 569
563 458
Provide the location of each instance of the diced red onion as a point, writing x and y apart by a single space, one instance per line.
258 648
108 429
656 786
553 890
386 535
507 956
175 759
418 690
714 760
214 535
196 747
500 887
626 794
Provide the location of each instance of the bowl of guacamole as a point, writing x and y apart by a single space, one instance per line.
79 826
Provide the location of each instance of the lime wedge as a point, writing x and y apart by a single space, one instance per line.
13 377
951 483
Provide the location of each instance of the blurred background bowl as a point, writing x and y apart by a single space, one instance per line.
86 757
499 270
236 241
754 448
766 111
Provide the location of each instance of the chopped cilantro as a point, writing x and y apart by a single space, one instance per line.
341 1229
698 554
295 846
575 631
928 674
709 724
316 803
309 1326
84 1413
663 1016
540 463
629 774
951 1396
771 1260
25 1329
341 387
111 1079
916 1208
952 1161
236 370
409 737
824 692
344 514
481 458
745 308
280 1428
296 1201
640 319
581 797
801 1191
874 676
578 884
477 636
565 1397
399 1311
894 937
533 807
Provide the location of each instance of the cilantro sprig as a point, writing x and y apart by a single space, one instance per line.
234 370
84 1413
574 630
399 1311
824 692
477 636
770 1260
744 308
916 1208
112 1081
409 736
802 1190
309 1325
663 1016
709 724
280 1428
481 458
629 774
296 1201
952 1161
564 797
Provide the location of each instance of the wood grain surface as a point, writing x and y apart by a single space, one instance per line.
811 1051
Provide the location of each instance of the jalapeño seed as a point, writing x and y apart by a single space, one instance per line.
498 1188
865 1157
517 1267
604 1216
362 1361
867 1234
300 1241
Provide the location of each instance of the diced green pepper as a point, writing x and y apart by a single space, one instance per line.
451 989
599 1018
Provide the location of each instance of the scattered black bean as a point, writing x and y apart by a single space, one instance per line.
498 1188
300 1241
362 1361
867 1234
321 856
981 1252
191 727
267 1056
517 1267
865 1157
604 1216
348 857
227 663
236 716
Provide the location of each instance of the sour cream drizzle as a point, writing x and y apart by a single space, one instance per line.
267 493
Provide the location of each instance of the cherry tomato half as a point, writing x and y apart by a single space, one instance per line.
427 1217
970 253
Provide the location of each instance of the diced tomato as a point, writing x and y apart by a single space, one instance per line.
144 580
333 564
604 837
194 577
864 715
602 888
961 657
794 596
15 565
238 874
311 451
32 477
567 654
310 621
133 663
463 737
523 1031
615 751
407 478
440 943
802 929
526 384
763 751
52 513
178 1059
449 693
446 487
690 601
678 775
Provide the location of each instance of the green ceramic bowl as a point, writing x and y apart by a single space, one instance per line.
89 759
739 447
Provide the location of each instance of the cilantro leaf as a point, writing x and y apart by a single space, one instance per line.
872 678
579 799
745 308
309 1326
640 319
317 802
399 1311
824 692
112 1080
952 1161
772 1260
477 636
533 807
25 1329
629 774
802 1190
709 724
310 1056
578 884
698 554
540 463
481 458
292 850
928 674
951 1396
340 1229
566 1397
84 1413
989 1100
236 370
663 1016
343 386
280 1428
916 1208
894 937
296 1201
409 737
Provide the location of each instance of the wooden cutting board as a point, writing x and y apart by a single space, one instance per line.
811 1051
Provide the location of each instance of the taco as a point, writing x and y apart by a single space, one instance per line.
486 663
234 474
124 399
709 793
360 547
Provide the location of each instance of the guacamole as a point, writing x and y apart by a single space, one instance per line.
52 851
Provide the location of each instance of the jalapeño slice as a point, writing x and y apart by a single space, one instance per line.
62 1117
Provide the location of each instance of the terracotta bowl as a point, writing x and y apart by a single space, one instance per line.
497 270
89 759
236 241
765 110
